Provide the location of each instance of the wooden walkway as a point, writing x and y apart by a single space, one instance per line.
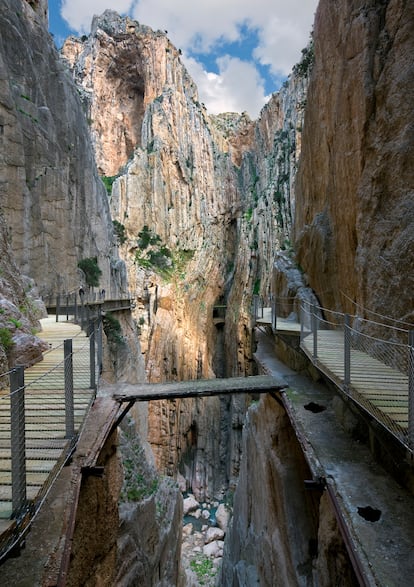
376 387
283 325
46 445
380 389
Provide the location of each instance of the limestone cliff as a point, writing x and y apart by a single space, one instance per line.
354 222
54 204
281 534
179 219
201 204
20 310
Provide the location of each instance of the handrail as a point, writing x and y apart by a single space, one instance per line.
391 348
394 355
66 376
367 311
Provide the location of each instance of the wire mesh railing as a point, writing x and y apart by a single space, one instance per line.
85 305
368 360
41 416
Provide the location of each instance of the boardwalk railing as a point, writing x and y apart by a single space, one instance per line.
40 419
84 306
370 361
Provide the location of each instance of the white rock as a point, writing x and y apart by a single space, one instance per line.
222 517
196 514
189 504
197 549
213 534
205 514
181 482
204 527
212 549
187 529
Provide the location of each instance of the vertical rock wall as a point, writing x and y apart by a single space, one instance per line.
54 205
181 188
216 192
281 534
354 222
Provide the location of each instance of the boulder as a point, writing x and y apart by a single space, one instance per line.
222 517
213 534
214 549
190 504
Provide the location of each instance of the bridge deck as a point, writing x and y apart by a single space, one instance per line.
125 392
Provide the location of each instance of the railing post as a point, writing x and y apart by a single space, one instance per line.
75 303
57 307
347 352
69 403
302 320
91 329
67 307
314 326
255 303
411 389
274 314
18 440
99 342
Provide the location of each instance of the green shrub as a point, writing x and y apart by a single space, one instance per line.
15 322
91 270
6 340
108 181
120 232
112 329
147 237
203 568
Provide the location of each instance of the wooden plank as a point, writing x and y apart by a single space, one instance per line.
125 392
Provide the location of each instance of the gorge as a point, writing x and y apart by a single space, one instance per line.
107 153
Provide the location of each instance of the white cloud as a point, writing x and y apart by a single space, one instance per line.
223 92
79 13
281 26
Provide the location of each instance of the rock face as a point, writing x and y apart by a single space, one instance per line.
56 209
151 512
211 199
20 310
172 194
354 221
268 541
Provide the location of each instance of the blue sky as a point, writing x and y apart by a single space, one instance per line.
237 51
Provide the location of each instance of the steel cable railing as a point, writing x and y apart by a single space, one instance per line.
368 360
40 419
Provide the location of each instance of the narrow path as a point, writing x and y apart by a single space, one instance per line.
378 388
354 480
46 442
